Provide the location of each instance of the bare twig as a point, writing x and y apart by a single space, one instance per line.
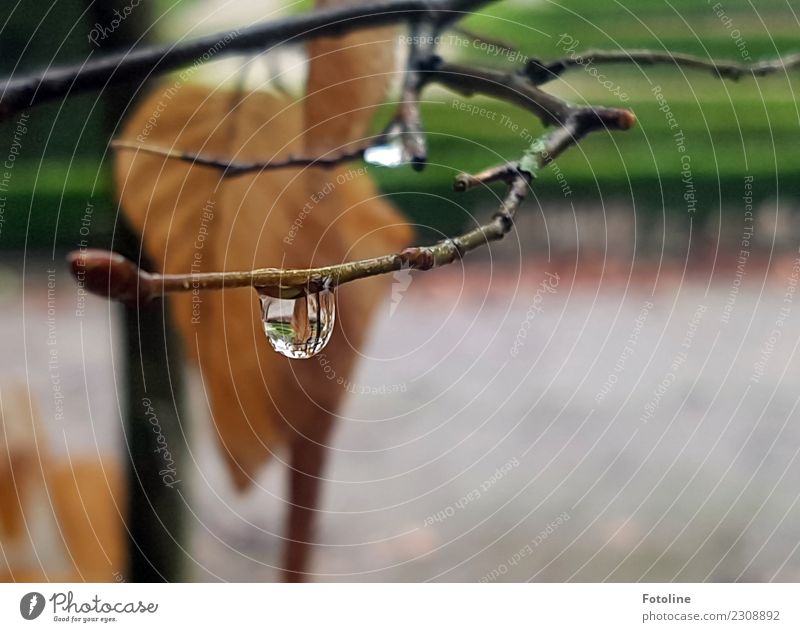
109 274
508 86
581 122
501 173
134 66
512 87
233 168
408 119
541 72
117 278
517 89
406 124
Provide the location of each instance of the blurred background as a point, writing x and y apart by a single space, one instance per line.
608 394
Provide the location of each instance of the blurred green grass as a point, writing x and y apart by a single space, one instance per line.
731 129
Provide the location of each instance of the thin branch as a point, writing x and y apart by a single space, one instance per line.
109 274
408 120
501 173
113 276
232 168
582 121
117 278
136 65
541 72
515 88
512 87
406 124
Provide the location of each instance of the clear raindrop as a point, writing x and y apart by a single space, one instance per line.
299 328
391 154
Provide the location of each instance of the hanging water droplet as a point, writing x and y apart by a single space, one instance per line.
392 153
388 155
299 328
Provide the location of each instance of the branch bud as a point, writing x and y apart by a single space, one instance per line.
111 275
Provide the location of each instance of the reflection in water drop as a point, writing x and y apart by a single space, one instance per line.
391 154
299 328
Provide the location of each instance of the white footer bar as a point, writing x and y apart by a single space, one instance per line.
400 607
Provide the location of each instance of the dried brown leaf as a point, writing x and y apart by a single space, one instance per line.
193 219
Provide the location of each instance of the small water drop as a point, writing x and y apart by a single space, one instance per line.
299 328
392 153
389 155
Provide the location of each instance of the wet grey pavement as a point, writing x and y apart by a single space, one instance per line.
505 425
623 435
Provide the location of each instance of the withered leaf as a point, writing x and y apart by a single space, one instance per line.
191 219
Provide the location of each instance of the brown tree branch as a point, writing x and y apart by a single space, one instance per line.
408 120
500 173
540 72
111 275
117 278
512 87
233 168
18 94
